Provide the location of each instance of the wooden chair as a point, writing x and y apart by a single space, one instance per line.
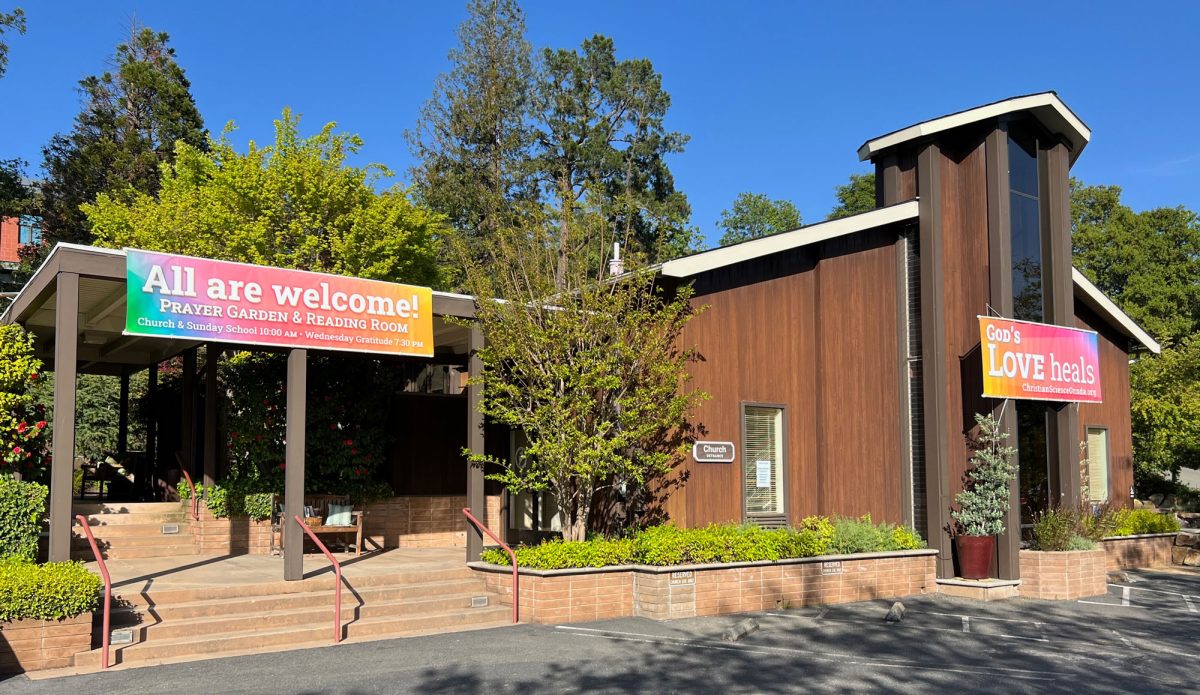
320 508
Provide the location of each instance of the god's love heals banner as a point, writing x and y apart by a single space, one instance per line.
172 296
1037 361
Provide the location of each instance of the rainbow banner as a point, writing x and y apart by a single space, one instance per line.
172 296
1037 361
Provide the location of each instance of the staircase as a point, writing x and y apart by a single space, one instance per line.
126 530
184 624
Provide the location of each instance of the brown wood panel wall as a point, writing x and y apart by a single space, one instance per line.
814 330
1113 413
966 292
427 457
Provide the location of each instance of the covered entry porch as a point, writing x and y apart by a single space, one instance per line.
81 292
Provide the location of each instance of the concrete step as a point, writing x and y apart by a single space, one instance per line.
271 638
322 582
266 605
145 529
113 508
120 552
312 615
97 521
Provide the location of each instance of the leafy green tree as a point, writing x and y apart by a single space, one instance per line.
601 148
9 21
473 137
1149 263
132 117
292 204
858 195
754 215
16 197
592 372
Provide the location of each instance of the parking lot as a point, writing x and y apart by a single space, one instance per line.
1142 637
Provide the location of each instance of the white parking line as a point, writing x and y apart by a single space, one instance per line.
978 617
1125 596
1156 591
1142 608
1188 600
966 623
918 627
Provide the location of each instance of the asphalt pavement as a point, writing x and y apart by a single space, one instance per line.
1142 637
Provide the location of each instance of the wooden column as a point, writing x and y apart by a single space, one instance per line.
475 497
293 484
187 430
1008 545
152 424
66 342
211 440
933 356
123 417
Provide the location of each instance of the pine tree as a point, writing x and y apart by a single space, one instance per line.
131 119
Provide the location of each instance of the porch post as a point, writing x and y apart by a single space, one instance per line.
187 432
152 424
293 475
123 416
66 339
211 355
475 497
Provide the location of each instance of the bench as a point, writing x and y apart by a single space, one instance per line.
319 505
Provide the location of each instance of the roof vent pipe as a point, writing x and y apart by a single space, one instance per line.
615 265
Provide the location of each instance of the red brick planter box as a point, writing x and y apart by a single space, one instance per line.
1129 552
1063 576
31 645
564 596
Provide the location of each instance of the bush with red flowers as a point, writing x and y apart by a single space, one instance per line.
24 433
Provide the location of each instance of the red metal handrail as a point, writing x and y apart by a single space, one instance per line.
87 531
513 556
195 499
337 573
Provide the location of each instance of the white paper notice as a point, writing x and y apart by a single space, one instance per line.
763 474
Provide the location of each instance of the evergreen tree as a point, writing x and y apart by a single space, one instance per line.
473 136
9 21
132 117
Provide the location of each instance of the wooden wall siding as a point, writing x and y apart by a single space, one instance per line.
815 330
966 292
1113 413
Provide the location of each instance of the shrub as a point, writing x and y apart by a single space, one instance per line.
1132 522
22 506
717 543
52 591
1080 543
1054 529
1099 522
984 502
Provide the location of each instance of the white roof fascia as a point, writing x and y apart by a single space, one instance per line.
765 246
1044 100
1106 306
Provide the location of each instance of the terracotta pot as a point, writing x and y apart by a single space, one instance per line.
975 555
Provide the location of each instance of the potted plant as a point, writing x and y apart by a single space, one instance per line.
984 501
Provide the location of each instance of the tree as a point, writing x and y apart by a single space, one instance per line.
131 119
755 215
591 371
1149 263
473 136
601 148
292 204
854 197
9 21
16 197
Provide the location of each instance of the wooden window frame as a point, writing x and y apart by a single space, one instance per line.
783 460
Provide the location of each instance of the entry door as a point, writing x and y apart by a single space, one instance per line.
763 467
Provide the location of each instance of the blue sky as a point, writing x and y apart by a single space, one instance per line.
776 97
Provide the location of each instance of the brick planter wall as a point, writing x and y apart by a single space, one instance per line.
1063 576
424 521
562 596
1129 552
233 536
31 645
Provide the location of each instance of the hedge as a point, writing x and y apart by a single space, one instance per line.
22 507
1133 522
718 543
52 591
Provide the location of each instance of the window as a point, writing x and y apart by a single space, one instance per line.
1097 459
29 230
762 460
1026 239
1033 459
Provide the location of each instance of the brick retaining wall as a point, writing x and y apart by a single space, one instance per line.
563 596
1063 575
233 536
1129 552
31 645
